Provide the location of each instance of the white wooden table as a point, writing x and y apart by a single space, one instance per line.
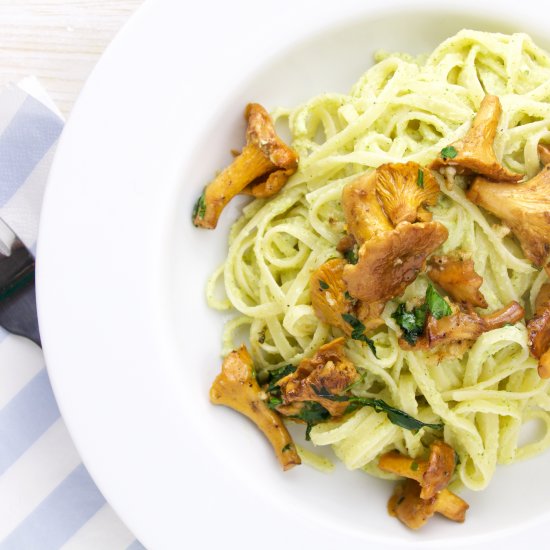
58 41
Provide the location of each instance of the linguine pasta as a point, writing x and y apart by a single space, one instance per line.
403 109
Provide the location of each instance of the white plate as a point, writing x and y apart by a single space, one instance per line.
130 344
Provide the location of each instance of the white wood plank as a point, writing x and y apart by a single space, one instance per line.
58 41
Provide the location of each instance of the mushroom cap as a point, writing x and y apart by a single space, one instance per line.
441 466
538 330
393 193
475 153
330 303
523 207
390 261
363 212
329 368
408 507
405 190
330 300
458 278
261 132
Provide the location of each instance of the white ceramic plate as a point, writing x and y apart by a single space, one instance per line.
130 344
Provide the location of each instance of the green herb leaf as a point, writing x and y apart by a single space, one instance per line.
437 305
273 389
287 447
448 152
395 416
274 402
351 255
414 466
199 210
420 179
312 413
411 322
358 330
323 285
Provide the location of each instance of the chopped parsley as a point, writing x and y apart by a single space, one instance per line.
358 328
436 304
273 389
412 322
199 210
420 178
448 152
287 447
395 416
323 285
312 413
414 466
350 298
274 402
351 255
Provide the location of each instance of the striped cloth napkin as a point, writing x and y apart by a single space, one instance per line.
47 499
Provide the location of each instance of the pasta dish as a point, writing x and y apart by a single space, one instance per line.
390 270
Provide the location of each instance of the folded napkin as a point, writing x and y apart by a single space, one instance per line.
47 499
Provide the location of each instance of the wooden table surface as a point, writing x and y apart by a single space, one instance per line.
58 41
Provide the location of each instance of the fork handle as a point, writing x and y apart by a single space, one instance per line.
18 313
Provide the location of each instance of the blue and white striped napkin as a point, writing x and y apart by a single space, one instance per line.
47 499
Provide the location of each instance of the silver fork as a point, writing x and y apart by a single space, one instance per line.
17 289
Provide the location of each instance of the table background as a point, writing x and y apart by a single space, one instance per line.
45 492
58 41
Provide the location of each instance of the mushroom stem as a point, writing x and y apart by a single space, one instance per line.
236 387
248 166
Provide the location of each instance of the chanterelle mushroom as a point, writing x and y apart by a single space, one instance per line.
457 277
328 294
474 153
523 207
424 493
363 211
538 329
405 190
236 387
390 261
261 169
393 193
329 369
331 300
464 326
